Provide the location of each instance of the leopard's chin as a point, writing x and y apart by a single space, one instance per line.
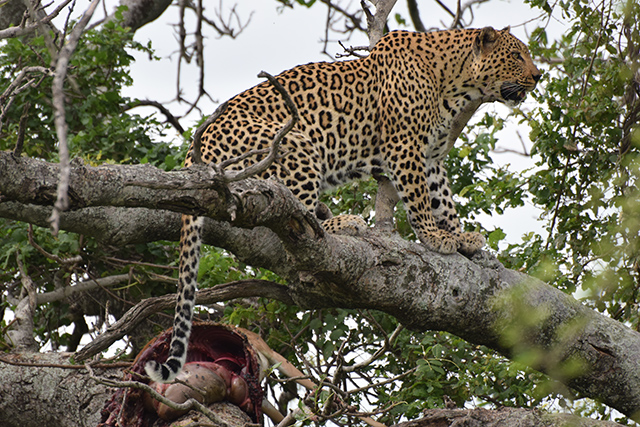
512 93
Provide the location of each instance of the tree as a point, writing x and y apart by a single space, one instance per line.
371 345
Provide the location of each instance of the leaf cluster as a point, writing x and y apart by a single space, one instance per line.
587 141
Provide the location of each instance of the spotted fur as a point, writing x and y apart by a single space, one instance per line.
397 111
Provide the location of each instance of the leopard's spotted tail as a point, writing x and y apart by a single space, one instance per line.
190 239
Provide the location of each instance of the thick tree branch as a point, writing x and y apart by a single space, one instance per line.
84 286
21 336
141 12
71 398
124 226
478 299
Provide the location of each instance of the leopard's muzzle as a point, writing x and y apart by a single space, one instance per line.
513 92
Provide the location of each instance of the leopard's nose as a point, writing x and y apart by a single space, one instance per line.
536 76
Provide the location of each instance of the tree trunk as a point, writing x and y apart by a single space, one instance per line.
37 396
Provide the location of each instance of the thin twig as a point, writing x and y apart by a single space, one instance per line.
12 90
143 264
351 51
263 164
67 261
100 365
226 27
356 22
387 381
22 128
243 156
387 343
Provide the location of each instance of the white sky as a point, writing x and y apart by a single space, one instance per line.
278 38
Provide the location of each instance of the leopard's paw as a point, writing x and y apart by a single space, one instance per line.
440 241
470 242
350 225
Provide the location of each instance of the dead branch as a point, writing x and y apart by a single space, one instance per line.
352 51
37 23
225 26
151 306
62 200
170 118
353 21
196 49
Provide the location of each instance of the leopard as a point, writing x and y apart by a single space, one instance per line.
396 112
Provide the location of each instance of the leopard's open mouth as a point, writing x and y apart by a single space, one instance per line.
513 92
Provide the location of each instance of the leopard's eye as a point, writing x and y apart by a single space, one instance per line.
516 55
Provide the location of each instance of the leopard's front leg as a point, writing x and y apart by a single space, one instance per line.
444 211
424 190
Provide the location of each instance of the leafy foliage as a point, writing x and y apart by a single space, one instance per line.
587 141
101 129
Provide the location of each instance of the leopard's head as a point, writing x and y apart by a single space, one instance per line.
503 66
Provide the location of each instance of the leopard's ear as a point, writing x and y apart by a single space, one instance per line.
485 41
